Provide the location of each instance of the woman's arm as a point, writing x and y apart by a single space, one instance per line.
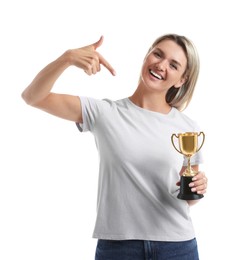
38 93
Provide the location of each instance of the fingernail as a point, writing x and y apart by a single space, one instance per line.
193 189
191 184
194 178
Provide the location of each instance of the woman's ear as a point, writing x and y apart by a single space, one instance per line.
181 82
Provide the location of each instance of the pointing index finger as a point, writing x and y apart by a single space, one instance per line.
107 65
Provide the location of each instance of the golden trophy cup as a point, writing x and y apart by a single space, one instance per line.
188 144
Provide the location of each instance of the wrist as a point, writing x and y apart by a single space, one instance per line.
67 58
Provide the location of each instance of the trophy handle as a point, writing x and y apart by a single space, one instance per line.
203 139
172 137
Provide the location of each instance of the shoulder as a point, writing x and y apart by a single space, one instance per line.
115 104
186 119
101 105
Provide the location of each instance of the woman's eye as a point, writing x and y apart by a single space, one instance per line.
173 66
157 54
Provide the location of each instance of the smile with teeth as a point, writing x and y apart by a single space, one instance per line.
154 74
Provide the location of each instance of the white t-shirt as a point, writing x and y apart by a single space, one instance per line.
139 169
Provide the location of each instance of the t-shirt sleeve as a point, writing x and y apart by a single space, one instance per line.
91 110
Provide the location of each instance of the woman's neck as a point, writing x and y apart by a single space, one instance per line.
151 101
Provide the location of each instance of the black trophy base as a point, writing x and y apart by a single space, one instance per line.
185 190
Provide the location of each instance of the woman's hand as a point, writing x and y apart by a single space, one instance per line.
199 183
88 59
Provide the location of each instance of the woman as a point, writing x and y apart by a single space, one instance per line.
138 214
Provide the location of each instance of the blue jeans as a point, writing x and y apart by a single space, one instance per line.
146 250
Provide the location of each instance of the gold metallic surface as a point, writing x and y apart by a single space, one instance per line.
188 146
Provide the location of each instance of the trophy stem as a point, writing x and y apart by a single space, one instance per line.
189 170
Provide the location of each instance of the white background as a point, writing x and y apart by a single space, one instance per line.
48 170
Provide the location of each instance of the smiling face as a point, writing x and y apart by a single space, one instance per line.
164 67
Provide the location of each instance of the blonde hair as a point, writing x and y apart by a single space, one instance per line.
180 97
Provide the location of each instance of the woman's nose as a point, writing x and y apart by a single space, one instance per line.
161 65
